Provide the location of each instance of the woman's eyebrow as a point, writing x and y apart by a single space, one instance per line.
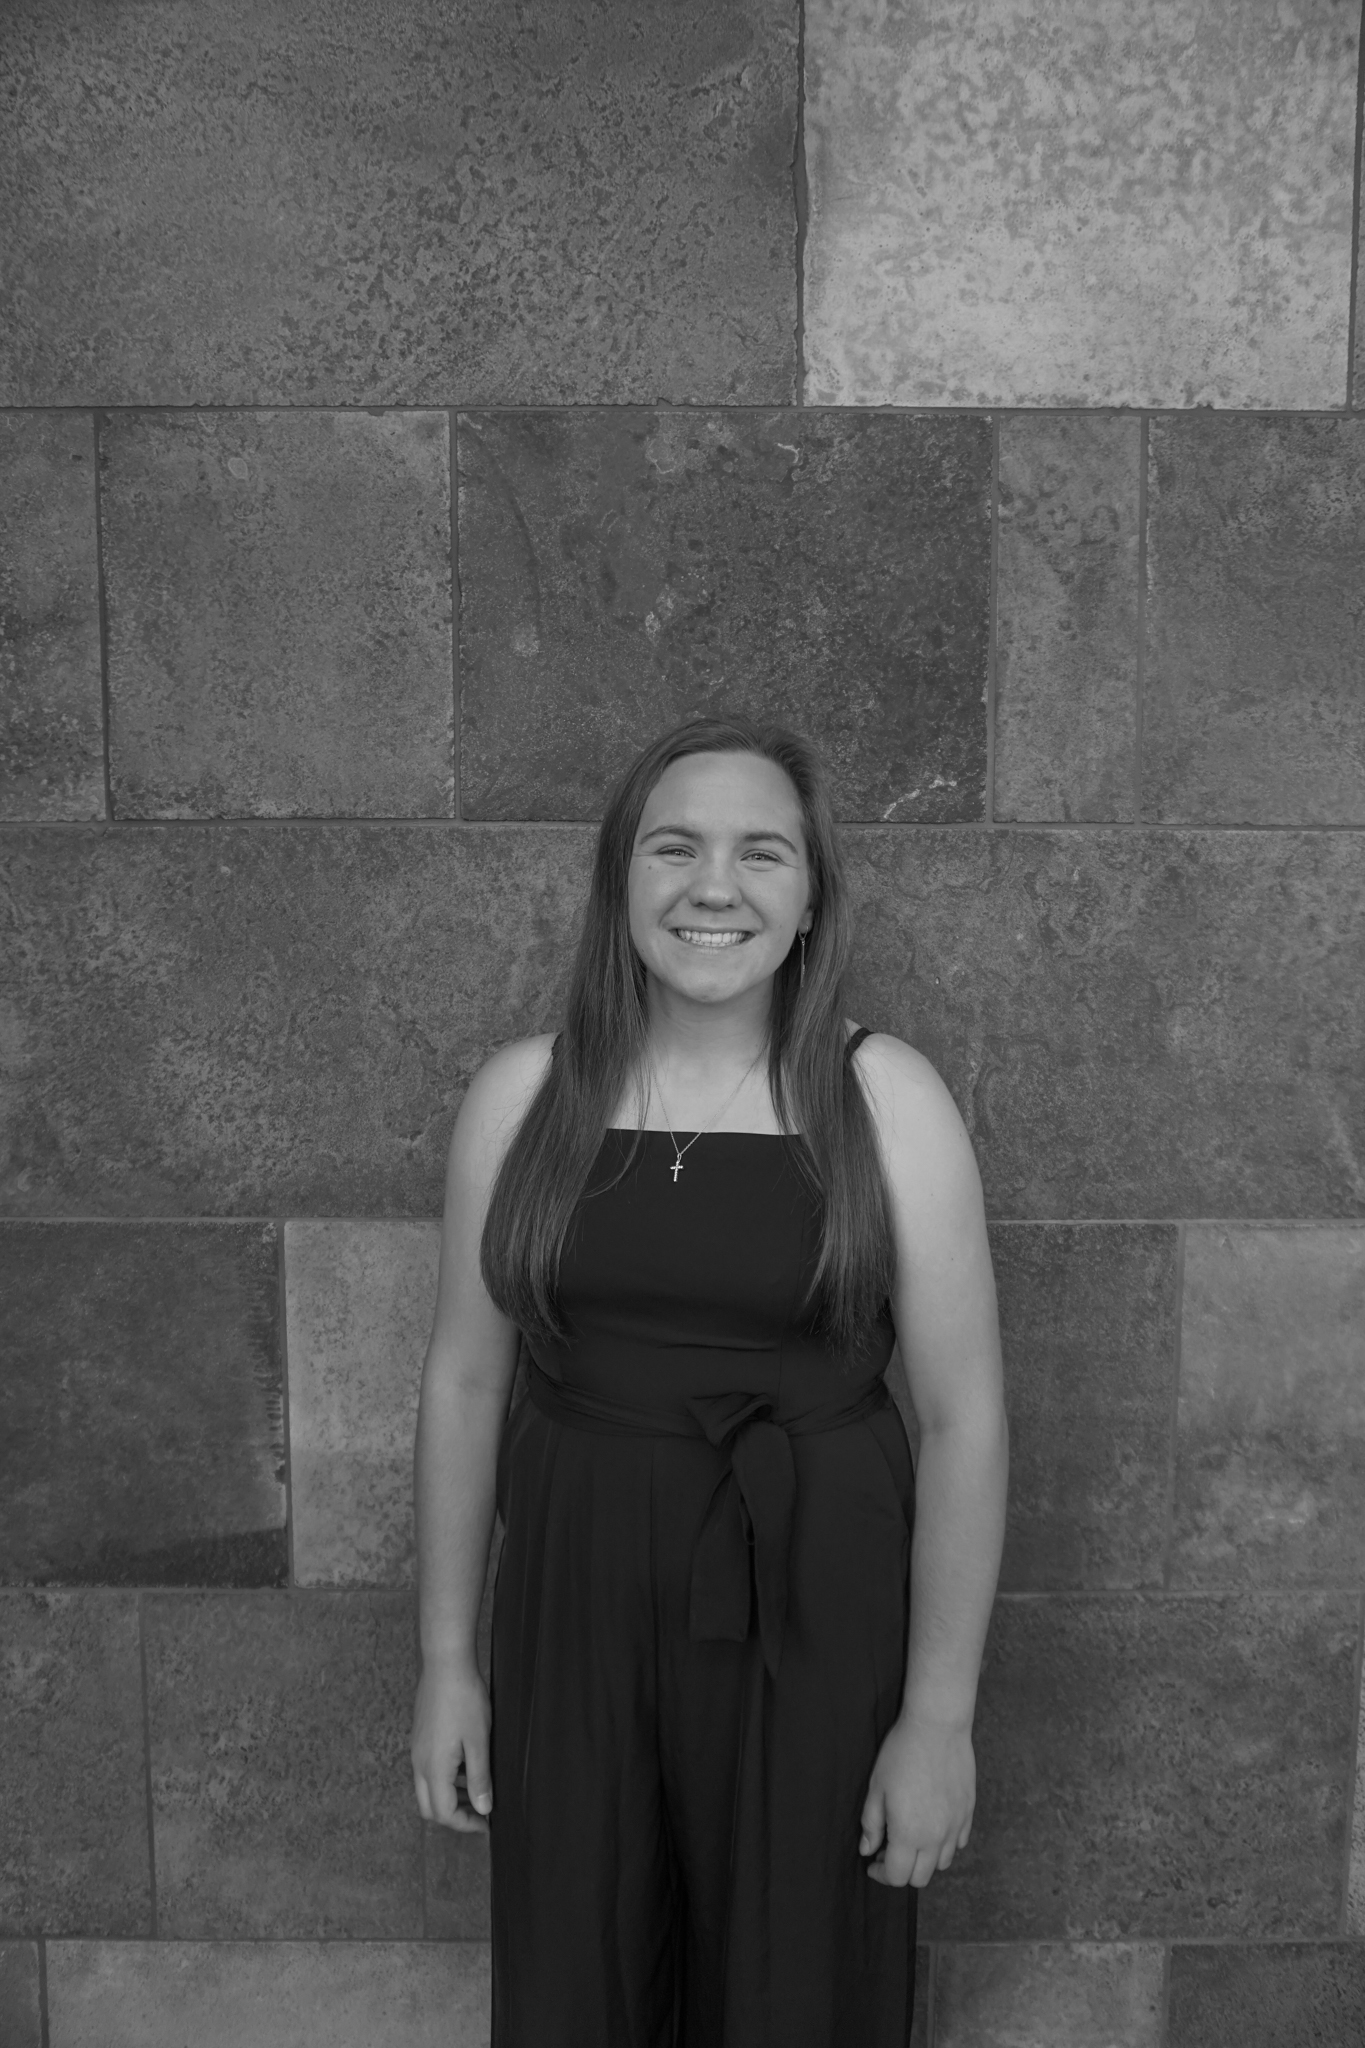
691 832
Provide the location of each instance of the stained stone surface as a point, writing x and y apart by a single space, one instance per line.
1087 1326
266 1021
1048 1995
1154 1768
1252 707
622 571
1270 1442
1112 1011
1245 1997
360 1298
390 202
21 2024
457 1885
279 598
1133 202
1355 1880
273 1994
144 1437
1067 618
281 1785
73 1804
51 712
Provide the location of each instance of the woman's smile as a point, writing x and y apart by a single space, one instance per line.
697 935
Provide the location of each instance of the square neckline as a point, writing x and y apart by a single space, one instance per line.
851 1044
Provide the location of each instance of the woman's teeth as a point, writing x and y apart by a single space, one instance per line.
715 940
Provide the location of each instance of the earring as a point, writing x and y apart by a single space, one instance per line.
802 936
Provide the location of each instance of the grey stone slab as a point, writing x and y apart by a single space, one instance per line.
1049 1995
622 571
1087 1326
1066 697
270 1994
1245 1997
397 202
51 705
1156 1768
458 1901
21 2019
1355 1876
144 1438
1110 1008
270 1021
1252 707
1112 1011
282 1792
1126 204
73 1804
279 600
1270 1438
360 1298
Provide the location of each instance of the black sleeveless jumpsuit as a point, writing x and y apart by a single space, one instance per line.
699 1633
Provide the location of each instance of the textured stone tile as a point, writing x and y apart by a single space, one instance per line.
281 1787
1112 1011
1265 1997
1355 1879
73 1806
390 202
1067 618
1153 1768
457 1885
271 1994
1270 1442
1087 1323
1252 707
272 1022
144 1439
51 712
21 2024
622 571
1126 204
1046 1995
360 1298
279 597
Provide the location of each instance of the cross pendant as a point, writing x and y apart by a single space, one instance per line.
676 1168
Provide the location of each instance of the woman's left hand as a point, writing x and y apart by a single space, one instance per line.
919 1804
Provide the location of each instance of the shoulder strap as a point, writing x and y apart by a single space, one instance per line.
856 1038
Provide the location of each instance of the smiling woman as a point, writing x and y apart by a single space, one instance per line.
736 1635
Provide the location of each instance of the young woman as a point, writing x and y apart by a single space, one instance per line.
727 1734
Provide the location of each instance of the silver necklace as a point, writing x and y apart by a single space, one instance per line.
676 1168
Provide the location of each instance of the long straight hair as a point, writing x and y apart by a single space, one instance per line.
815 1092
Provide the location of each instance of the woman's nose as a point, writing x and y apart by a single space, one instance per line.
713 884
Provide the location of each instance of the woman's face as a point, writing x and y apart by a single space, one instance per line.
718 878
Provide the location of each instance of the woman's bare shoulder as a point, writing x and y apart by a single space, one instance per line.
907 1094
499 1094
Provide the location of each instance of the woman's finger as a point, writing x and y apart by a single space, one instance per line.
423 1796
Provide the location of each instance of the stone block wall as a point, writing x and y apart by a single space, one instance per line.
405 410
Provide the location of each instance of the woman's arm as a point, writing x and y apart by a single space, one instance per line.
466 1387
923 1791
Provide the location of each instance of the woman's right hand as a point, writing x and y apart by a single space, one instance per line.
450 1728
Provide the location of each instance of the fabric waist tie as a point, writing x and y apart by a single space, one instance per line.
752 1503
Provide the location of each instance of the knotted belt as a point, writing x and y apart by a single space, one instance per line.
752 1503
